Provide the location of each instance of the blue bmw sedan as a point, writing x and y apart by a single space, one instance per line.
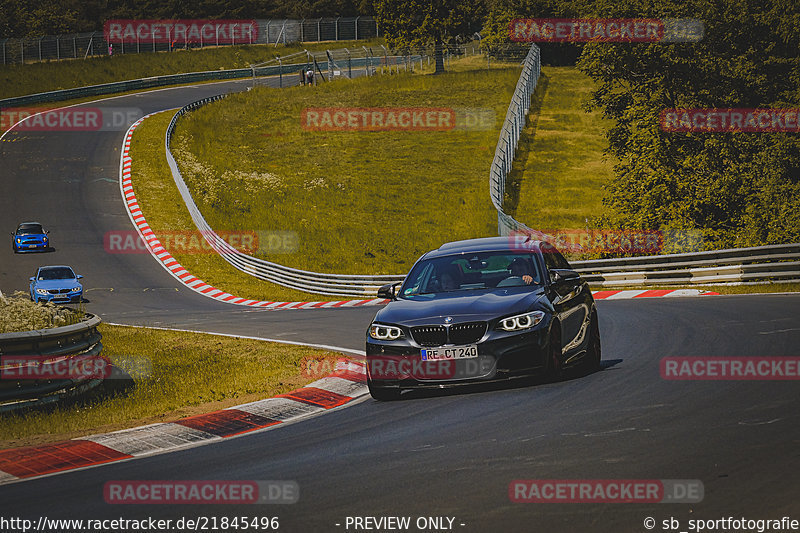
58 284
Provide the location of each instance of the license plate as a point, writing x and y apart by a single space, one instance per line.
452 352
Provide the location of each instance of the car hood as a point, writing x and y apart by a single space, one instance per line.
57 283
478 305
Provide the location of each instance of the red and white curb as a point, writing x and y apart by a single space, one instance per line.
642 293
172 266
345 384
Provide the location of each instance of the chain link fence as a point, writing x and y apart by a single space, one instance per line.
509 137
272 31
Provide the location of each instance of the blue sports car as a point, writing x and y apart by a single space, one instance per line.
30 236
58 284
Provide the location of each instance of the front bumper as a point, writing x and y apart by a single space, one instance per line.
31 246
60 298
501 355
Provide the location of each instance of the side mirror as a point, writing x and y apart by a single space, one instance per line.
388 291
32 278
78 276
563 275
47 231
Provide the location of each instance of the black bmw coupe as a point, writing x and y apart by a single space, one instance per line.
482 310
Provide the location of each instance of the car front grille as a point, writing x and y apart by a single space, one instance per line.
467 333
459 334
58 291
429 335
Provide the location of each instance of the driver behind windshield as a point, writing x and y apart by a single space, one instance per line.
520 268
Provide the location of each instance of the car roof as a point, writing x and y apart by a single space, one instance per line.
48 267
28 224
513 243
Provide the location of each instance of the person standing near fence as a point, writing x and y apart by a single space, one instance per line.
310 76
110 49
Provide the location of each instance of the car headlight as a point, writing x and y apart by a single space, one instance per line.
383 332
19 240
75 289
44 239
41 291
520 322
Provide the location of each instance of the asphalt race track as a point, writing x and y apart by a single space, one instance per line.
434 454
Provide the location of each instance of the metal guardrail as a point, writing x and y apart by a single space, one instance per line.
279 69
270 31
509 137
763 264
143 83
76 339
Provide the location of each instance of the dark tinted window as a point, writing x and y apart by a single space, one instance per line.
553 259
473 271
56 273
29 229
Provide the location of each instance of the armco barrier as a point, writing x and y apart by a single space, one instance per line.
82 338
765 264
190 77
143 83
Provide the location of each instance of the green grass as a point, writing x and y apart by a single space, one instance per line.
558 176
191 373
360 202
20 80
165 211
19 313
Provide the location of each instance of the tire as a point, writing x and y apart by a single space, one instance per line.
382 394
553 368
593 350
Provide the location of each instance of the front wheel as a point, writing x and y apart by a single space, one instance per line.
593 350
554 369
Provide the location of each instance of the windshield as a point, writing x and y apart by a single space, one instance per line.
474 271
56 273
29 229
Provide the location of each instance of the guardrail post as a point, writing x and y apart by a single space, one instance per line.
280 72
319 38
349 65
357 27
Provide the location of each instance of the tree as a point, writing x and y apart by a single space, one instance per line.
739 188
408 24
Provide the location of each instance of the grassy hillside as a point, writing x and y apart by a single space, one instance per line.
19 80
558 176
359 201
